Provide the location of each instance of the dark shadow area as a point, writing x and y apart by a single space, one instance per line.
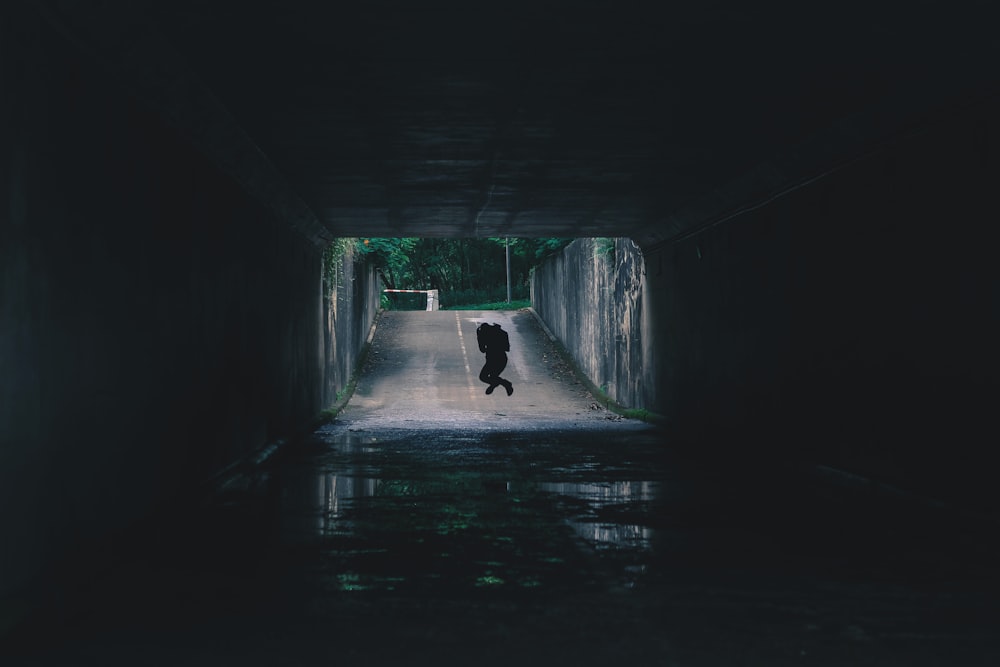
440 546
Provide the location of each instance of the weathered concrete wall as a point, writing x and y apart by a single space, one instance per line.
590 297
852 322
156 323
349 312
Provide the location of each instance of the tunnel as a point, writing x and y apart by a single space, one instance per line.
799 198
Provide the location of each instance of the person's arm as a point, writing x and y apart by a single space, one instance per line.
480 337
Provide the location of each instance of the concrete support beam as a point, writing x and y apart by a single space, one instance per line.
125 45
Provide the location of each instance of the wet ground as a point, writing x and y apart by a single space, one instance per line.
428 526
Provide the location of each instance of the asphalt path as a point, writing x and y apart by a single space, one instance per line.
423 371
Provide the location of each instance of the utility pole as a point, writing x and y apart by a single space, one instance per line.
506 246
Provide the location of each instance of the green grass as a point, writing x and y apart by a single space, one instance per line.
493 305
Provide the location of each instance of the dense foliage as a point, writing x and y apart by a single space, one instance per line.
464 270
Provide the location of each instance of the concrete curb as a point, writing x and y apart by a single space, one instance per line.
545 327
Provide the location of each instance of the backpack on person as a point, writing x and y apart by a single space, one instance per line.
492 337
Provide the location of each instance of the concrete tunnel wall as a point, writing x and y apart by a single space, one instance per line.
853 322
590 297
156 323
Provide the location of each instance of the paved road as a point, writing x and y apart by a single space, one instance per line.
431 524
424 371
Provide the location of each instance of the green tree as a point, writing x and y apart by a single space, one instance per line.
391 257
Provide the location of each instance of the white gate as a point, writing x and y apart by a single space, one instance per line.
433 303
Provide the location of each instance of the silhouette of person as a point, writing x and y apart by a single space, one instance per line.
493 340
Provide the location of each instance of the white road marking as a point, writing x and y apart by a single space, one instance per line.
465 356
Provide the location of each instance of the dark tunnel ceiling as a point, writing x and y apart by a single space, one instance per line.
567 119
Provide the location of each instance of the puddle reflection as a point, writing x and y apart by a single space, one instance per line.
314 505
595 519
607 515
599 497
333 494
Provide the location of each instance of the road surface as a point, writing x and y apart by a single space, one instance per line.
431 524
423 370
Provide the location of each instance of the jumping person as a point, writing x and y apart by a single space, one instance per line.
493 340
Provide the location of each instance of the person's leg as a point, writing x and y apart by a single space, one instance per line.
502 364
488 375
